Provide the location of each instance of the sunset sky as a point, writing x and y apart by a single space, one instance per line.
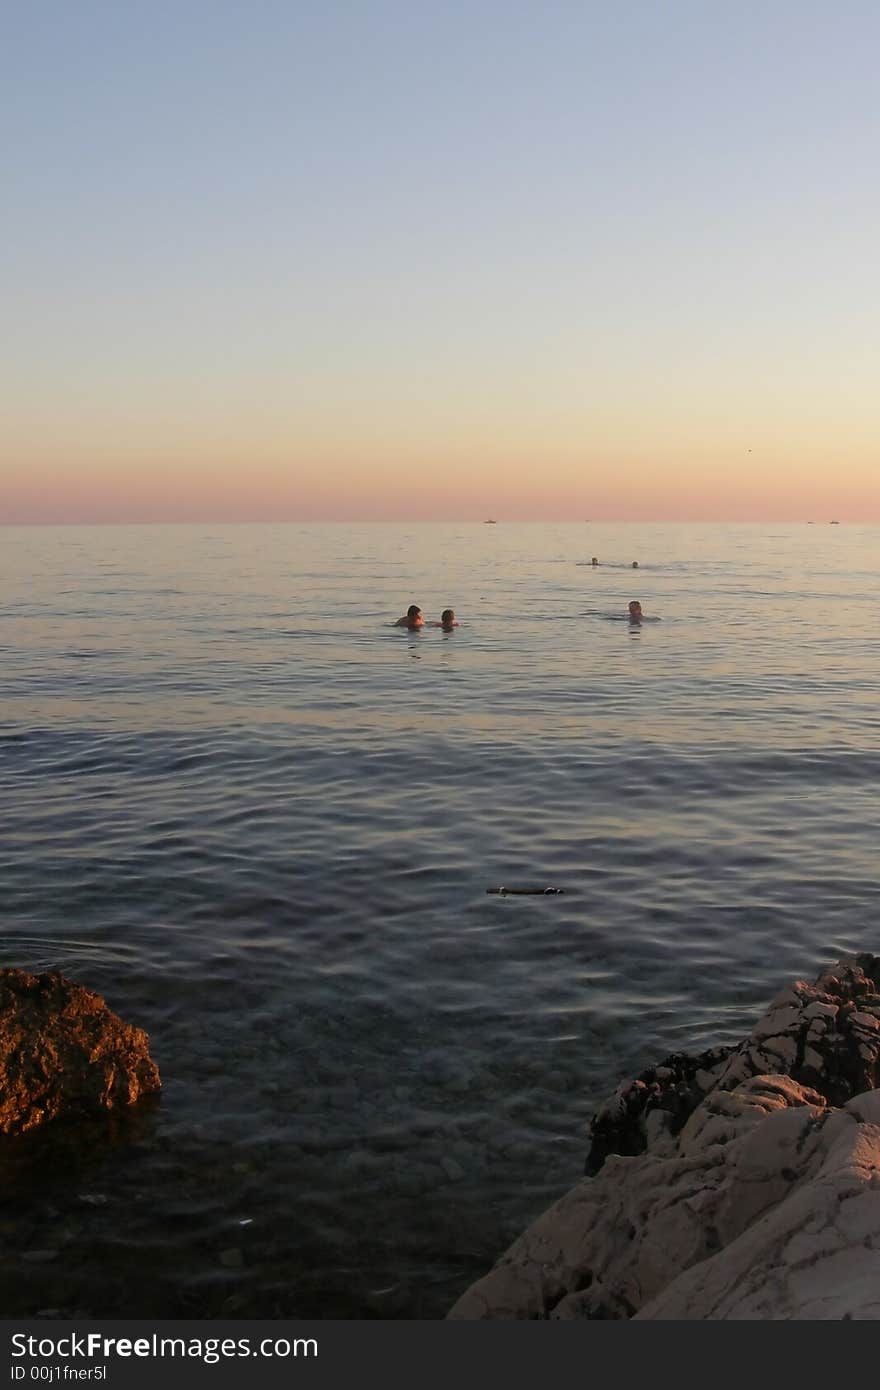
395 260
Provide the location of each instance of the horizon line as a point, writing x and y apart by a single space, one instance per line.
444 521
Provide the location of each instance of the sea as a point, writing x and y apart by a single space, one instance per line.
266 825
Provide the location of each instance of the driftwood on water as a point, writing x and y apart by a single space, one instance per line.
540 892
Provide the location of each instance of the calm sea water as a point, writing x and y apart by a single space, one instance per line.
262 822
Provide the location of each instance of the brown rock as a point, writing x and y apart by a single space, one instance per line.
64 1053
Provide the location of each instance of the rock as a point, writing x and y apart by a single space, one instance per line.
768 1184
761 1199
64 1053
816 1254
825 1035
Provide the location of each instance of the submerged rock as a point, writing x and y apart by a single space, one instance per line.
755 1192
63 1052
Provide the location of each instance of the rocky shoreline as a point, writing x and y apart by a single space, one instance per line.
739 1183
743 1183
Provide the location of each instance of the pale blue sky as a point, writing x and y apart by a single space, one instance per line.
329 241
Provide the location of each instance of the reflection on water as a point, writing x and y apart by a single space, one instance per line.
262 823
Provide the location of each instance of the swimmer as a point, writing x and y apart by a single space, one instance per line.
635 611
594 562
447 621
635 564
412 619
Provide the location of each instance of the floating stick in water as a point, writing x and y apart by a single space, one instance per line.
538 892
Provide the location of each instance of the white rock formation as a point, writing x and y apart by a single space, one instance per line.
815 1254
765 1204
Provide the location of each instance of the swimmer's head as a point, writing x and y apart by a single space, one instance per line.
635 610
447 617
414 614
594 561
635 564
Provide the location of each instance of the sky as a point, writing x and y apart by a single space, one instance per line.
348 261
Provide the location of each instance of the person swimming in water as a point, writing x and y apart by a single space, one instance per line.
635 611
594 562
447 621
412 619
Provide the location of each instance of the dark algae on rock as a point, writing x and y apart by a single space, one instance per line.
824 1035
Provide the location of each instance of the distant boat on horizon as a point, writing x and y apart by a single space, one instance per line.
834 523
490 521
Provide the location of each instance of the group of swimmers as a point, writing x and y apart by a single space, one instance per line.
413 618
